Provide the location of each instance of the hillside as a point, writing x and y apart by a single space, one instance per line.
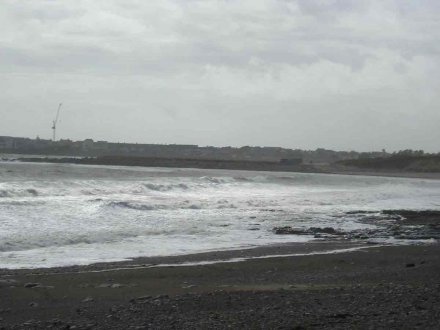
425 163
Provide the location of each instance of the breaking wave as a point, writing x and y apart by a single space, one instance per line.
185 205
134 206
59 239
4 193
110 187
164 187
64 214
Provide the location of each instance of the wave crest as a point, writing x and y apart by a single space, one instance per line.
165 187
8 193
133 206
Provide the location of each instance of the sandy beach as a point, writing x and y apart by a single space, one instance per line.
375 287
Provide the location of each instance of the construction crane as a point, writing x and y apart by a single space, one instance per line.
55 122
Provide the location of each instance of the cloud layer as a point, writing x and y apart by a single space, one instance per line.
308 73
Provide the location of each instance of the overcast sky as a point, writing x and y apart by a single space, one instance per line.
343 75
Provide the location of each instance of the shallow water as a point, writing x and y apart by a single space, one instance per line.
62 214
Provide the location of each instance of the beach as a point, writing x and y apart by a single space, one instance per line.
375 287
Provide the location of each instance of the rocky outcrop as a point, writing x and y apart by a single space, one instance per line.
397 224
287 230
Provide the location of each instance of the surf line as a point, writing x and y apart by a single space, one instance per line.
220 261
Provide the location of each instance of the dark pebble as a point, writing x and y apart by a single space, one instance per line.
31 285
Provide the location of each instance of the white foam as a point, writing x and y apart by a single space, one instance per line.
55 215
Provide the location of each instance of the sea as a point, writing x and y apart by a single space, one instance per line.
55 215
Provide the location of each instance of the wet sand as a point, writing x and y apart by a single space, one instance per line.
374 287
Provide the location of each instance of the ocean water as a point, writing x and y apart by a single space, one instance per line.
61 214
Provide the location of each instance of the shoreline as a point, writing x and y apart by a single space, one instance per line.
403 227
379 287
237 166
279 250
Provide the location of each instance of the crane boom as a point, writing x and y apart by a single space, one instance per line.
55 122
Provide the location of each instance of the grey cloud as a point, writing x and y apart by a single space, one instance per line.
306 73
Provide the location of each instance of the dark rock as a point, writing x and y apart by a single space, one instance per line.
31 285
325 230
410 265
317 232
142 299
360 212
341 315
289 231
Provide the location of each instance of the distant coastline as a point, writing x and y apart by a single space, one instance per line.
91 148
404 163
230 165
176 163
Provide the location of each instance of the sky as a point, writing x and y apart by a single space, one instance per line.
336 74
